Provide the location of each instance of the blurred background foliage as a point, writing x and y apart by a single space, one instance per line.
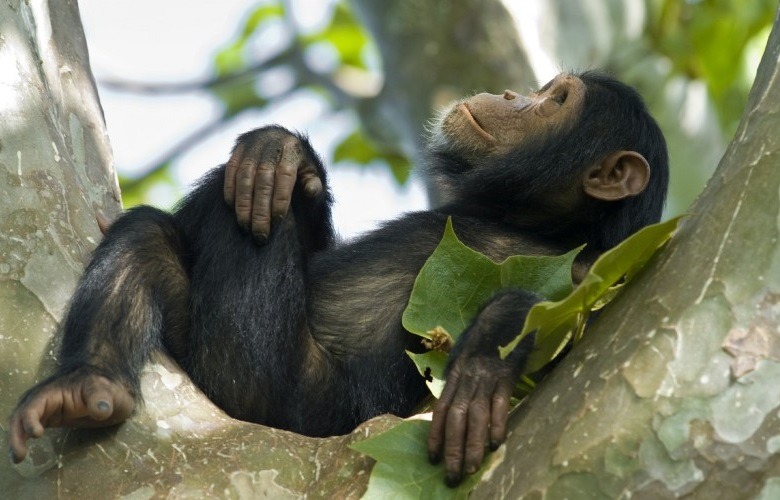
693 60
716 41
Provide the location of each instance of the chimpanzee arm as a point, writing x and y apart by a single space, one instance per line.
473 407
131 299
249 303
265 166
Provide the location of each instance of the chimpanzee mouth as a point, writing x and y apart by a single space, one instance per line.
474 123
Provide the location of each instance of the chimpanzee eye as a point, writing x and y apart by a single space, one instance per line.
560 97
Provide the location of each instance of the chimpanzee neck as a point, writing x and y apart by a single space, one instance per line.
570 233
548 225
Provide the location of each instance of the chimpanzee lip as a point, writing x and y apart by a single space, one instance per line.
474 123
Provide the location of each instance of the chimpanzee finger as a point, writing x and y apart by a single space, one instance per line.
245 186
100 404
499 412
455 438
312 184
25 424
106 402
439 418
33 416
285 177
263 192
231 169
478 422
17 438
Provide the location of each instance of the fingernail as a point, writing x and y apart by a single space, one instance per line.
434 458
452 480
12 457
494 445
103 406
261 239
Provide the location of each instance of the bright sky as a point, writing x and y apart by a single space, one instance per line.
155 41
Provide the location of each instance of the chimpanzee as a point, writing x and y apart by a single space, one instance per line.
278 324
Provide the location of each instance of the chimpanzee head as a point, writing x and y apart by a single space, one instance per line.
581 157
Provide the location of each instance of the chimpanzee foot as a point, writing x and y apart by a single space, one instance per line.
79 399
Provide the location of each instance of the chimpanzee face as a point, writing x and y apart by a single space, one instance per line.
488 124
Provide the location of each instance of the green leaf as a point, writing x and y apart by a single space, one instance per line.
451 286
556 322
431 366
399 167
230 59
238 96
136 191
359 149
456 281
260 15
402 469
345 34
233 57
711 40
355 148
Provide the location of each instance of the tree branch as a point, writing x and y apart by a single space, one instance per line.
180 87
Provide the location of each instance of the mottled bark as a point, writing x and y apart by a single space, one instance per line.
674 390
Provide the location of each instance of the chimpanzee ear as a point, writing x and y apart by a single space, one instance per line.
621 175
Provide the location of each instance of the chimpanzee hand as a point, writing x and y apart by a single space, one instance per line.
473 407
261 174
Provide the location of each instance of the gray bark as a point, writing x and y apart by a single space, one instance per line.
56 173
674 390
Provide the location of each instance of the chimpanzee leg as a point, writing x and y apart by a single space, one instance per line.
132 299
249 335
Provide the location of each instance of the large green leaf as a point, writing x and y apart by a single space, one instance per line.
556 322
456 281
448 291
403 470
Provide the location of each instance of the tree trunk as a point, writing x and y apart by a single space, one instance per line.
56 174
675 388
